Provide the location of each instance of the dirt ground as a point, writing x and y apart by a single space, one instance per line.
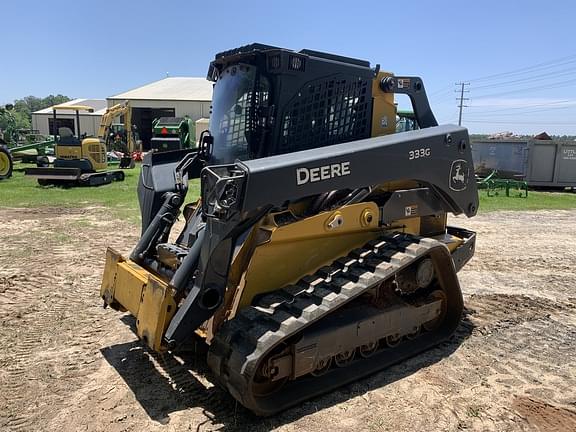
66 364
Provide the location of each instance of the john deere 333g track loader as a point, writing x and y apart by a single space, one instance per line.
319 251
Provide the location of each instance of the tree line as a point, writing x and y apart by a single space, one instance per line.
18 115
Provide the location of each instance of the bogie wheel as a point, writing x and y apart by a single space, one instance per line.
414 334
344 358
6 164
322 366
393 340
369 349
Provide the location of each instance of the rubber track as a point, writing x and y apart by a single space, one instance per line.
243 342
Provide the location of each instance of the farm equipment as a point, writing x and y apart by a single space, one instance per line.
406 121
79 160
172 133
36 152
6 162
319 251
119 139
496 186
15 142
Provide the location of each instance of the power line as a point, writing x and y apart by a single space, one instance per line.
530 89
438 100
523 122
555 74
566 101
521 110
462 99
523 70
488 114
450 118
546 75
442 90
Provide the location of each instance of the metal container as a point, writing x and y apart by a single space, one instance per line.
545 163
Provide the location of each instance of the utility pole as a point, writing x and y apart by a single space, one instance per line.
462 99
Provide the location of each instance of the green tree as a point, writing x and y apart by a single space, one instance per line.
30 104
54 100
19 115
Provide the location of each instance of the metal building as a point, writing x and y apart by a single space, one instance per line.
43 120
169 97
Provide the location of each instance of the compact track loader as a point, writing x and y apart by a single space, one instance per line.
319 251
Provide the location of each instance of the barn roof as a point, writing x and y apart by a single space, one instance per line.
171 88
99 106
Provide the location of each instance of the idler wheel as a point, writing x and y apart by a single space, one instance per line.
433 324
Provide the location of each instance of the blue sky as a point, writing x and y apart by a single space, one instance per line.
112 46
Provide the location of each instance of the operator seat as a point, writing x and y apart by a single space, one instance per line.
67 137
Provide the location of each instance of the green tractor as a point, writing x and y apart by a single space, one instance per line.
21 143
406 121
172 133
6 162
6 135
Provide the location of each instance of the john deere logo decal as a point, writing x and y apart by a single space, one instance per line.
459 174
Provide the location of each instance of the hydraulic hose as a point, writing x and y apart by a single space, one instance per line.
189 263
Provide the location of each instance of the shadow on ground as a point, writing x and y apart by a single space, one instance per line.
166 383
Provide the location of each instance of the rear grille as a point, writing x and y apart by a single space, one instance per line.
326 112
274 62
296 63
96 153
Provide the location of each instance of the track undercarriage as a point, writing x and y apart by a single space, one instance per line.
68 177
348 320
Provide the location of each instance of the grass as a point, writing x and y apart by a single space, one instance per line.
122 200
119 197
82 223
534 201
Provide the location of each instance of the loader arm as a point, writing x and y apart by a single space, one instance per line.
233 196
